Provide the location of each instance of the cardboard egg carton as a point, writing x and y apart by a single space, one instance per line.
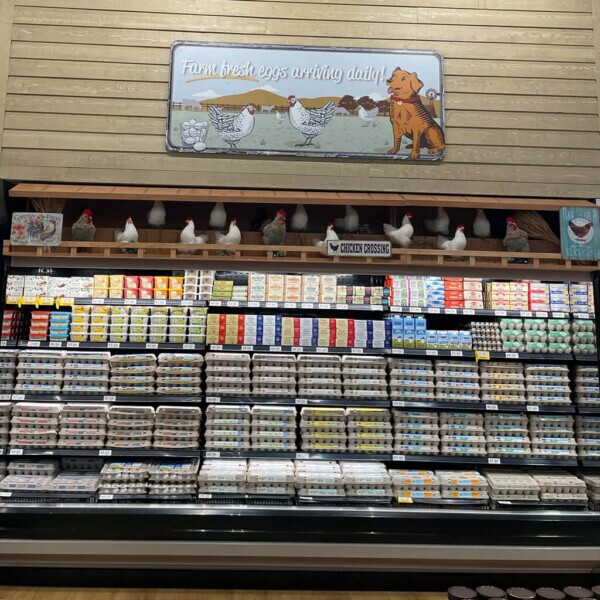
129 471
512 485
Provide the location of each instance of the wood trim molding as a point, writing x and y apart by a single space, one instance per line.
596 23
6 21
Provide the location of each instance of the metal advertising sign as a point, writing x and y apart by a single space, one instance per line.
308 101
359 248
580 233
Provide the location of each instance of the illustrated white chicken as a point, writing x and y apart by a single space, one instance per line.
299 218
350 222
218 216
481 225
232 129
330 235
280 118
129 235
458 242
367 116
401 235
156 215
188 235
309 122
439 225
232 237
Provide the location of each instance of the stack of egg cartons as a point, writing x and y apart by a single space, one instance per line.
456 381
323 429
80 323
463 485
227 427
124 477
416 432
132 373
587 386
179 374
99 324
507 434
82 425
321 479
535 335
222 476
547 384
319 376
583 336
178 323
29 475
196 325
512 486
369 430
552 436
130 427
366 480
227 374
274 375
559 336
119 324
40 372
513 336
560 486
486 335
197 285
364 376
139 319
587 428
3 466
274 428
86 372
157 318
462 433
72 481
592 481
270 478
417 485
177 427
173 478
502 383
34 424
411 380
5 411
8 365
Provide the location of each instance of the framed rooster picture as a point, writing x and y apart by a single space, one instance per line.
306 101
36 229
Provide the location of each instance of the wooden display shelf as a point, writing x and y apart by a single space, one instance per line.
242 196
261 255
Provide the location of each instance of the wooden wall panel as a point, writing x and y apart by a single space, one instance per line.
87 82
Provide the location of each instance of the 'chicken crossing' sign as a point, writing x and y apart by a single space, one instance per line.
359 248
309 101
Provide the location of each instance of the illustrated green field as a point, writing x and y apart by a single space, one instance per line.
343 134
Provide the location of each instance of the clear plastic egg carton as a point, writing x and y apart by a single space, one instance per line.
125 471
81 463
123 488
181 471
512 486
463 485
75 482
25 483
33 467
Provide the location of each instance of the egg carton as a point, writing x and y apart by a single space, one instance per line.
228 390
308 361
323 492
133 489
36 409
44 356
228 411
319 435
462 429
223 443
180 360
225 477
129 422
41 439
268 489
461 480
456 395
33 467
171 489
36 483
592 481
38 420
415 416
516 449
273 360
429 438
81 442
319 372
539 422
558 482
174 471
176 434
274 370
222 488
377 375
512 485
370 446
238 370
319 446
83 430
552 398
38 388
416 447
461 418
273 380
178 444
274 445
463 448
587 399
178 424
416 429
325 413
506 419
75 482
124 360
406 374
443 367
273 434
366 384
369 492
178 412
547 370
125 470
129 444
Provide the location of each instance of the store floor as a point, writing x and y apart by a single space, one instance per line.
24 593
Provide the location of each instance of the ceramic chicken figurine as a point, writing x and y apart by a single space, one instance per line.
188 236
129 235
157 214
83 230
274 232
515 240
401 235
232 238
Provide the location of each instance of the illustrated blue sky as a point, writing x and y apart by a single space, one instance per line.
268 64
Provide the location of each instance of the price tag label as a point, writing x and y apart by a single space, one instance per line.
451 311
541 315
1 451
4 396
398 457
271 305
216 399
104 452
322 350
160 302
581 315
130 302
500 313
4 343
247 348
215 303
308 305
151 346
434 311
526 313
342 307
97 300
72 344
431 352
512 355
204 496
109 398
297 349
254 304
289 305
468 311
302 455
416 309
233 303
301 401
324 306
16 452
491 407
187 303
398 403
114 345
18 396
55 344
213 455
482 355
357 351
397 351
189 346
216 347
456 352
560 315
5 494
274 348
531 408
494 461
105 496
33 344
404 500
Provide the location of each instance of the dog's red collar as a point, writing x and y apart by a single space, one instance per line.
410 100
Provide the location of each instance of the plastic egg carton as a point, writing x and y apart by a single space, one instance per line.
512 486
125 471
174 472
511 324
75 482
463 485
33 467
486 335
25 483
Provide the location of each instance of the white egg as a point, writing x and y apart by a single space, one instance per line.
189 140
186 125
199 146
192 131
193 121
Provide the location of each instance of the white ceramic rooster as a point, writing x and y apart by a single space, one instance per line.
299 218
330 235
401 235
188 236
156 215
129 235
458 242
231 238
350 222
439 225
218 216
481 225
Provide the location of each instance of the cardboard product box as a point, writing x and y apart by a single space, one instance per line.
131 282
100 293
466 340
101 281
471 304
176 283
130 293
431 339
175 295
146 282
458 304
116 281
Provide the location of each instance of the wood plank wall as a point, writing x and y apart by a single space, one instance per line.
87 88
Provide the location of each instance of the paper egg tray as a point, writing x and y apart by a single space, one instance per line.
37 388
273 445
461 418
559 483
222 488
129 443
270 360
177 444
370 446
592 481
47 440
319 371
33 467
277 489
369 492
228 389
227 359
427 438
547 370
323 413
125 360
273 435
319 391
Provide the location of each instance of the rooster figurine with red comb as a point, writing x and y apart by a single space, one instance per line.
83 230
515 240
274 232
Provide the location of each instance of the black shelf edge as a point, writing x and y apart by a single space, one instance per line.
426 353
101 398
486 312
299 401
532 356
298 305
8 343
485 460
294 349
28 345
588 410
485 407
299 455
104 452
125 302
592 358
